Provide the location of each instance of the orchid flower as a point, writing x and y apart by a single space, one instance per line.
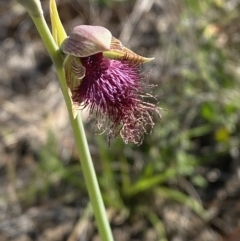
105 77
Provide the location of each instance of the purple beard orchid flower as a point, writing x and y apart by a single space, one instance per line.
105 77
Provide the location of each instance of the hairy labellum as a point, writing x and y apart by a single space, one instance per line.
113 89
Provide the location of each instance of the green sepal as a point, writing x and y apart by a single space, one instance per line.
58 31
127 55
74 72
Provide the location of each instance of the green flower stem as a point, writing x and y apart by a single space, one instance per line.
78 130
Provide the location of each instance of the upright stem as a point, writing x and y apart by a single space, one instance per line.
79 134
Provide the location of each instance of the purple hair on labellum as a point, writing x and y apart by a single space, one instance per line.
113 90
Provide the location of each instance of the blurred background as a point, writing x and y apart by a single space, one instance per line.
182 183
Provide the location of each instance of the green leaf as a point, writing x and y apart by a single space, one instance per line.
146 184
58 31
157 224
208 111
180 197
